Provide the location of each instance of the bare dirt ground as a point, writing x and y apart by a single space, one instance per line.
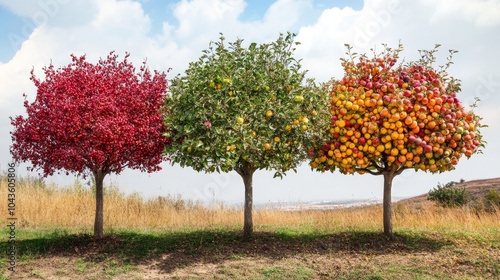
268 256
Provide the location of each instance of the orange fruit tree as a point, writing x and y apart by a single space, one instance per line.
386 118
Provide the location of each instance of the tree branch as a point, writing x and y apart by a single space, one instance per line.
400 170
239 171
370 171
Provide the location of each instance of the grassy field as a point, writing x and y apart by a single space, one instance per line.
171 238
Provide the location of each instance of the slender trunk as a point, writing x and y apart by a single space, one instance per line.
248 220
99 204
246 172
388 204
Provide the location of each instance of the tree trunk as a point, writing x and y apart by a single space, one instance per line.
99 204
246 172
388 204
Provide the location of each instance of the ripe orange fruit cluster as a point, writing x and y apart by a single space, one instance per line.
407 116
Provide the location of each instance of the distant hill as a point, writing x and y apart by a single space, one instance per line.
475 188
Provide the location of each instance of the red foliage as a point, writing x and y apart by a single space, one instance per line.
90 117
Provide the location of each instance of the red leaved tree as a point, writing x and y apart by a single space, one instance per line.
93 119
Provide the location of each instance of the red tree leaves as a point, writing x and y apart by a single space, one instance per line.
90 117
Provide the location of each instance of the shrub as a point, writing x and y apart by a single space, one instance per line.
448 196
492 200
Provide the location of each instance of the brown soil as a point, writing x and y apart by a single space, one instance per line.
270 255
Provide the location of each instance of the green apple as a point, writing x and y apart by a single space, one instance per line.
298 98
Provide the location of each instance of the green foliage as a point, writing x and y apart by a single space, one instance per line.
492 200
448 196
82 265
296 273
241 105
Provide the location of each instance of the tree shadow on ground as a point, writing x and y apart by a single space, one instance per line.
176 249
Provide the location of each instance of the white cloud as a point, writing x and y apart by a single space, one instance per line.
199 18
284 14
200 22
211 11
322 44
392 21
27 9
480 12
120 26
110 18
53 12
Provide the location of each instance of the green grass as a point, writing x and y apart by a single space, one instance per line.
36 273
115 268
298 273
82 265
292 253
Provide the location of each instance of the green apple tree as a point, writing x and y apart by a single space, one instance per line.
244 109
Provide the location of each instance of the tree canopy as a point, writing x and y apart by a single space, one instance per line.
386 118
93 119
244 109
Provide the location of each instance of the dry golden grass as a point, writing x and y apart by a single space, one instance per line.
49 206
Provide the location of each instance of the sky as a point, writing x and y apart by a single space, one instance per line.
170 34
